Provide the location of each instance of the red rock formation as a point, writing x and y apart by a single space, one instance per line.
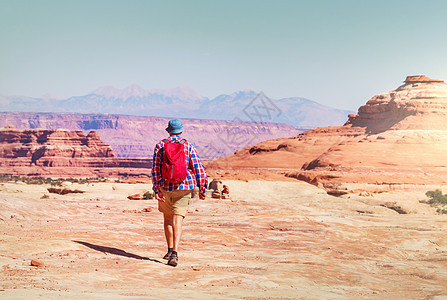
59 152
420 79
397 137
420 103
133 136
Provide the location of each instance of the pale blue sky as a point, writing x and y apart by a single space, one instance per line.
338 53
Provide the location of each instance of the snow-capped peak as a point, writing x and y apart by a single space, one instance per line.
134 90
244 93
107 91
182 92
113 92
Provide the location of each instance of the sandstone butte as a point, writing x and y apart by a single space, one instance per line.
63 153
398 137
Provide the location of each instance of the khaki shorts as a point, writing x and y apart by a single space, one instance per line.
176 202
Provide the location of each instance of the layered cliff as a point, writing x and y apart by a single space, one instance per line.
396 137
419 104
60 152
133 136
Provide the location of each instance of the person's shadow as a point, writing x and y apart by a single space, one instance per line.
116 251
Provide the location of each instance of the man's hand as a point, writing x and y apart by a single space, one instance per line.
202 196
160 197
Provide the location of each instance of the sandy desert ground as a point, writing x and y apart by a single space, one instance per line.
271 240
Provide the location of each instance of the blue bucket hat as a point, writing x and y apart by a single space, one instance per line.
175 126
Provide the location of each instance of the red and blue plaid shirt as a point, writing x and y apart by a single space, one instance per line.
196 177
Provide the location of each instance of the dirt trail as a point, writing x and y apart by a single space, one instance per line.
271 240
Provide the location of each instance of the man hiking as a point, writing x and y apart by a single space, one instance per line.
176 171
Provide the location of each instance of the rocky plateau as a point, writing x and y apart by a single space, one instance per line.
40 152
136 136
273 237
396 138
270 240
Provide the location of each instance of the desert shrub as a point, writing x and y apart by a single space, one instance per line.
51 181
57 182
5 178
83 180
436 197
438 200
148 195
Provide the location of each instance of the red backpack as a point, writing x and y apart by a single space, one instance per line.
173 168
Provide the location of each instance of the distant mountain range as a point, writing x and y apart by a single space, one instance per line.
183 102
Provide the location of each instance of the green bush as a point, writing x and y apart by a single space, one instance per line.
438 200
148 195
51 181
436 197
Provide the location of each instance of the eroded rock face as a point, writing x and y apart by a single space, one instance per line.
51 147
54 152
135 136
396 137
421 103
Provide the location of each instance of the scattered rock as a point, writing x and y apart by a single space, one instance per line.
366 194
139 179
395 207
143 196
336 193
36 263
216 185
64 191
136 197
225 192
216 194
219 190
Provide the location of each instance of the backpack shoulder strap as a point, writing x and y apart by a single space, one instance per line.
182 141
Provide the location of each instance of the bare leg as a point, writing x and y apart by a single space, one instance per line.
169 233
177 223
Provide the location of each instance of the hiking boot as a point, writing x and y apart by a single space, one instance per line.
167 255
173 260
